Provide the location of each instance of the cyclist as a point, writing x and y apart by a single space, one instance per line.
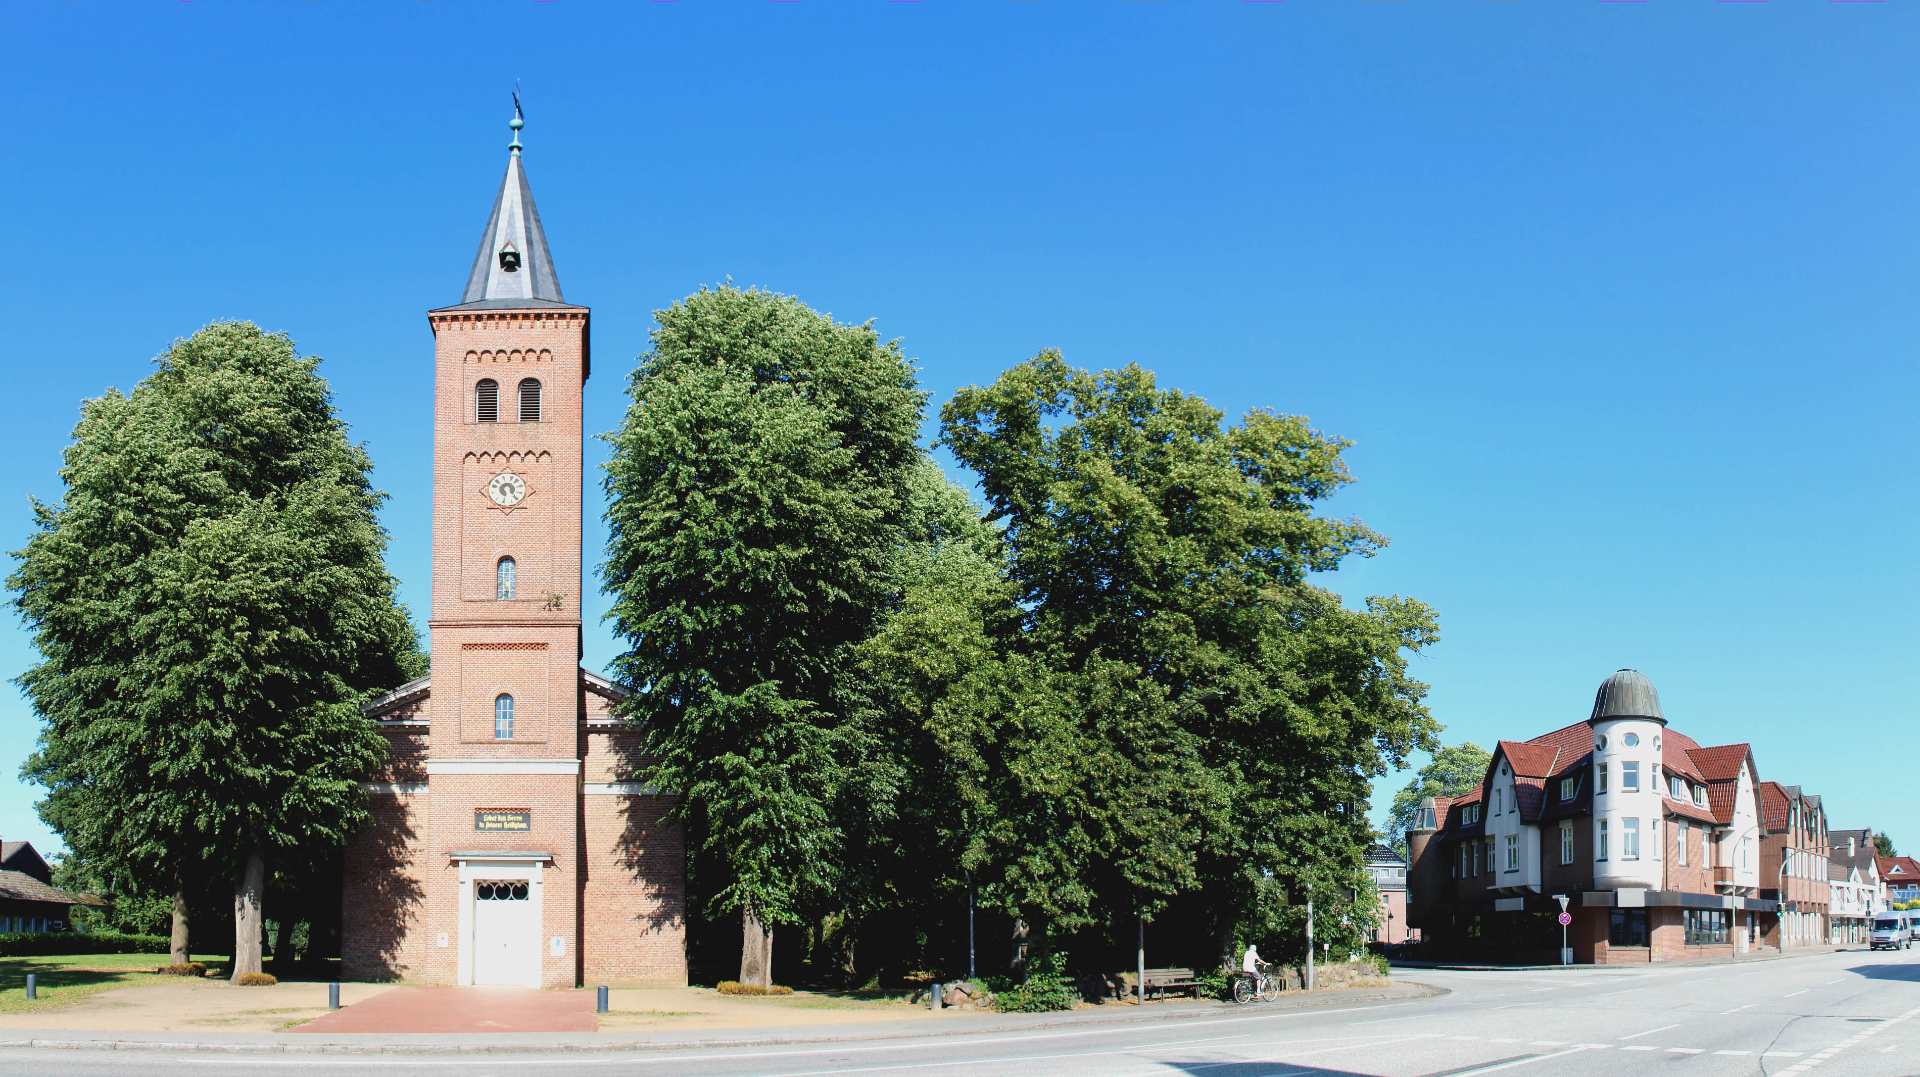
1250 964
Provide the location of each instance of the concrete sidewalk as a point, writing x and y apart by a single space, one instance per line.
1743 959
946 1023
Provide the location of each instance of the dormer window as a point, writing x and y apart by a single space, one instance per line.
1566 789
509 259
1699 796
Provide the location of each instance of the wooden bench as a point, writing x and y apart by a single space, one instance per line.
1162 981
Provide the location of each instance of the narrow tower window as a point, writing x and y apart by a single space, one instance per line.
486 401
503 717
503 578
530 401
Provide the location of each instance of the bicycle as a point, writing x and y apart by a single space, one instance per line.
1248 986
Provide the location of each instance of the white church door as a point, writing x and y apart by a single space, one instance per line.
506 934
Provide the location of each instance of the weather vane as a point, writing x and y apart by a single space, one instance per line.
519 120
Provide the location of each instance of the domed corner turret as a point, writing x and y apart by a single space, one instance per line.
1627 694
1627 724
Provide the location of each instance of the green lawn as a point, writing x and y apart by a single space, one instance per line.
67 978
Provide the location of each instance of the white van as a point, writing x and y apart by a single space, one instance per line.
1891 931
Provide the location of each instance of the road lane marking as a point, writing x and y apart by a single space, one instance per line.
1650 1032
1802 991
1548 1043
1527 1061
1733 1052
1684 1050
1641 1047
1736 1009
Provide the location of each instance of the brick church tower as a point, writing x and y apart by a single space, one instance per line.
511 845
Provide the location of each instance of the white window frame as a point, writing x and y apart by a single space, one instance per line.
1513 852
503 716
1567 788
1653 837
1680 842
1566 841
1600 842
1600 778
1630 839
1629 776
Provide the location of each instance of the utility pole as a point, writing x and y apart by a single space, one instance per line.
970 974
1140 959
1309 944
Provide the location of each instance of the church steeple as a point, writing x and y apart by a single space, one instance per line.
513 267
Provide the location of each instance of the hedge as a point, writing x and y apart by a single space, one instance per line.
77 942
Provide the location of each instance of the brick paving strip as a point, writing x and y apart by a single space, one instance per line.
462 1010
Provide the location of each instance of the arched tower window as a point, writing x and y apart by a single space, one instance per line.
530 400
503 578
486 401
503 717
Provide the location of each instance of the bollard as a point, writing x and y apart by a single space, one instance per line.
33 986
600 999
333 995
933 996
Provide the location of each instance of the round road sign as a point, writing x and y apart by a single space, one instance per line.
1566 918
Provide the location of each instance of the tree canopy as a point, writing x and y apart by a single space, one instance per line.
757 493
1176 708
210 603
1453 771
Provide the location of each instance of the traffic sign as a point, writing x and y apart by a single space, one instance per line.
1566 918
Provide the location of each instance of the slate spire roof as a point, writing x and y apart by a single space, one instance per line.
513 267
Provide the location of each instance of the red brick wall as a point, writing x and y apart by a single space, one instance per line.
635 922
383 899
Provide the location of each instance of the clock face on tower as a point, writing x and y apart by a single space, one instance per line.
507 489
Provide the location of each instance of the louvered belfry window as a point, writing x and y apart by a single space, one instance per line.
486 401
530 401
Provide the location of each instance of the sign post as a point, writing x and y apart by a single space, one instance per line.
1566 918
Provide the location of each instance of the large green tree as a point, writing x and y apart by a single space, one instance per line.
1180 709
211 606
757 493
1453 770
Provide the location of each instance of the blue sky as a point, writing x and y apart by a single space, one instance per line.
1616 301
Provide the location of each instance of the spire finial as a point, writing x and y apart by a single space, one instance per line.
519 120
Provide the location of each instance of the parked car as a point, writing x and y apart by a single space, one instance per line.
1892 931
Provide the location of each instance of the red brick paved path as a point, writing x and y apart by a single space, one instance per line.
463 1009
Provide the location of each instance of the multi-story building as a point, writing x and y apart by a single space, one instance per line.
1854 886
1389 873
1646 839
1899 879
1793 858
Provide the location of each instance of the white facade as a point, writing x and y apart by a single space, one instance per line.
1627 750
1739 844
1514 845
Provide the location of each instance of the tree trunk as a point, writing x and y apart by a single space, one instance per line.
283 943
177 947
1022 935
756 951
246 916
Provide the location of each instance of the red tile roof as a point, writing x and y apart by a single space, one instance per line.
1773 806
1687 810
1529 758
1909 868
1721 763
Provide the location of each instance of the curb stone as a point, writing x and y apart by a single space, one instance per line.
284 1047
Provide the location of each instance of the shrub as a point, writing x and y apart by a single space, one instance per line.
75 942
191 968
1046 988
735 987
1379 963
1216 984
255 979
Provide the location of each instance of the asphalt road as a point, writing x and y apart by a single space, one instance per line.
1851 1013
